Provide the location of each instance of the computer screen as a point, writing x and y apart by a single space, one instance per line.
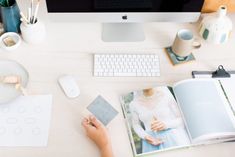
120 17
124 5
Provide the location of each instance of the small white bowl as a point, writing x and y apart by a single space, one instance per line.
14 36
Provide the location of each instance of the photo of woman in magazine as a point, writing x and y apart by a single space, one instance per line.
155 118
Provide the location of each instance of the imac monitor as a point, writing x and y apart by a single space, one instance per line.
122 19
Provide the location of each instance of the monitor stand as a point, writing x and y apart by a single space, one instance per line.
122 32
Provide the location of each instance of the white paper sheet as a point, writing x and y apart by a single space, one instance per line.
25 121
228 85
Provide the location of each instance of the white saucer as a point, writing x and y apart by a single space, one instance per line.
14 36
8 92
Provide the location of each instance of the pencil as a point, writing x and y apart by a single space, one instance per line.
29 14
32 9
23 16
22 20
36 12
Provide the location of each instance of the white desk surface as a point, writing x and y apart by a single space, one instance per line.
65 51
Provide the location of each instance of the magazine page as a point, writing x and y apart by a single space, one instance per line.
154 121
205 109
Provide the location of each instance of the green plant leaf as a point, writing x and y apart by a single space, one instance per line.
6 3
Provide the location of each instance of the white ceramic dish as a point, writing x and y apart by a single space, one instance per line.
9 92
15 37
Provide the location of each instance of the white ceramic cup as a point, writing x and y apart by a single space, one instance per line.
185 43
33 33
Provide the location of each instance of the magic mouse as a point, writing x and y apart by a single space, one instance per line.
69 86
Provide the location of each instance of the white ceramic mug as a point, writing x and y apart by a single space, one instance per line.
33 33
185 43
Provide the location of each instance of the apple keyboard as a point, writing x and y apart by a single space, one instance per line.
126 65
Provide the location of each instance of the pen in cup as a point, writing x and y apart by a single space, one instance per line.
31 5
24 17
36 12
29 14
22 20
32 13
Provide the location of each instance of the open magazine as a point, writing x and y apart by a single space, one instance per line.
192 112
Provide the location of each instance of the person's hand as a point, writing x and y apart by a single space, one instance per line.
157 125
96 132
153 141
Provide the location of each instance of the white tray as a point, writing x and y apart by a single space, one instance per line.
8 92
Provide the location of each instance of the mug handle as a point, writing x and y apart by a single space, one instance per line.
196 44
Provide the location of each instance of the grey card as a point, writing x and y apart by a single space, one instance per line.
102 110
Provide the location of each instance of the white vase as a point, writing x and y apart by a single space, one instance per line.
33 33
217 27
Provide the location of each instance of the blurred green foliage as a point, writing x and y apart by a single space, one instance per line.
7 3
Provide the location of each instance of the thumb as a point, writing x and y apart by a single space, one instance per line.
95 122
85 124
